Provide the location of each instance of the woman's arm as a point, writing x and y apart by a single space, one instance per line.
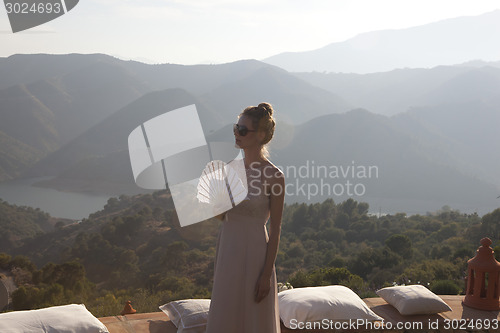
277 199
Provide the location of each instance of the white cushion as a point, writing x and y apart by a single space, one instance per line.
315 304
414 299
188 315
73 318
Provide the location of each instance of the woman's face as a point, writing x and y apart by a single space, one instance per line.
251 139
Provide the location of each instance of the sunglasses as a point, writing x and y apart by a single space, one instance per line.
242 129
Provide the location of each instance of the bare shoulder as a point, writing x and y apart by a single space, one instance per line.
274 182
273 173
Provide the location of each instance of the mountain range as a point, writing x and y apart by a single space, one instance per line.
430 134
397 91
446 42
58 102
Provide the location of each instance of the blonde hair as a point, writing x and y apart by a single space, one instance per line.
262 121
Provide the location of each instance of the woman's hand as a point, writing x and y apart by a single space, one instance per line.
262 287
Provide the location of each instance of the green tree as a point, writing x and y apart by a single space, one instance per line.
490 224
445 287
5 260
23 262
175 254
400 244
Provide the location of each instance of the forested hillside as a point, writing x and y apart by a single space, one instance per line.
135 249
19 224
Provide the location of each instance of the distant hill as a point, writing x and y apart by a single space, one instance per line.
19 224
457 103
197 79
399 90
389 92
49 100
472 128
49 112
446 42
15 156
294 99
26 119
477 84
111 135
27 68
66 106
415 167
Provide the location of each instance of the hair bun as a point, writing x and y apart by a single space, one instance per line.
266 107
263 121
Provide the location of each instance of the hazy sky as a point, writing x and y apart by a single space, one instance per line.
217 31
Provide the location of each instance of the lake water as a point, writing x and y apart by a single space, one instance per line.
78 205
58 204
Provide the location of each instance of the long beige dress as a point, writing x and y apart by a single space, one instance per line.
240 257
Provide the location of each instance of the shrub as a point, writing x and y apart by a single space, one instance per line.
445 287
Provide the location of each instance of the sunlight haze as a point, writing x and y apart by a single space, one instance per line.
196 32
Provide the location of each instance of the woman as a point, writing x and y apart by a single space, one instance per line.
244 294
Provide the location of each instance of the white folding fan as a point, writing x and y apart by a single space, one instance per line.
220 186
